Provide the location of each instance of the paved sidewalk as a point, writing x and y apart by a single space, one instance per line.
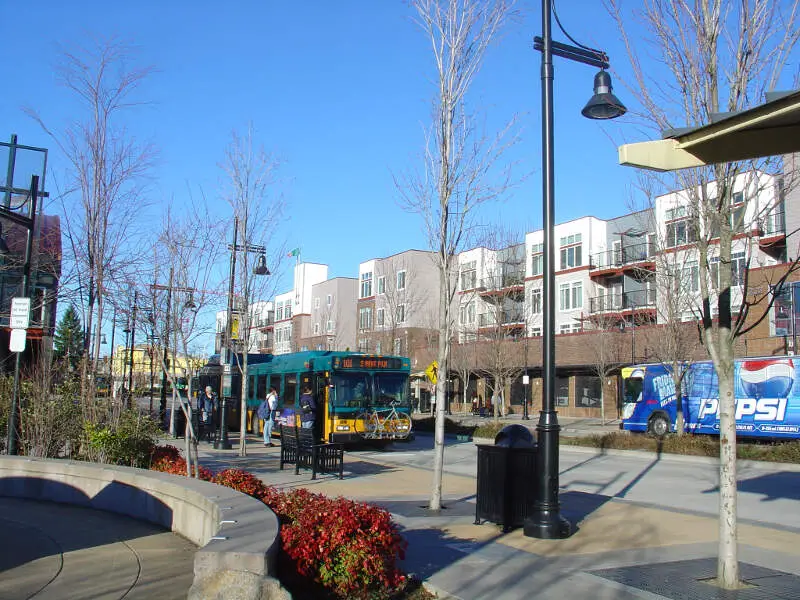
55 551
620 550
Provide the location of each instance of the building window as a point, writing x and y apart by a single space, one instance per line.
680 233
365 318
316 328
690 276
401 280
381 285
287 310
379 317
536 301
329 326
571 295
398 346
737 211
401 313
330 299
536 332
366 285
316 302
571 251
537 259
468 276
738 267
468 313
363 345
566 329
279 311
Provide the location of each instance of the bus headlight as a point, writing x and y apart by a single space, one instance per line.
343 428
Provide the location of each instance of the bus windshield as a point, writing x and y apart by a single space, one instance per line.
633 389
392 388
351 390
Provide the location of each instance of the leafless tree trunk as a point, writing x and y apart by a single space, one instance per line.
259 209
108 167
457 159
721 57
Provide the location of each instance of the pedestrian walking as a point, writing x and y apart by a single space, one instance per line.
206 407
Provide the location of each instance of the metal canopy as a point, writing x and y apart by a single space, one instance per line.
766 130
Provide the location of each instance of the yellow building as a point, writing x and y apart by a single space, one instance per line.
147 362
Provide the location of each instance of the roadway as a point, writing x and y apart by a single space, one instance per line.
769 493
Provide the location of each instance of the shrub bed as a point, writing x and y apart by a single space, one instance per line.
337 548
450 426
488 430
691 445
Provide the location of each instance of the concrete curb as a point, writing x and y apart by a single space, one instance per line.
683 458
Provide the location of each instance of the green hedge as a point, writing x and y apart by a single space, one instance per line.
692 445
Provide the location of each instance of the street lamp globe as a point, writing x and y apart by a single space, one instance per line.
604 104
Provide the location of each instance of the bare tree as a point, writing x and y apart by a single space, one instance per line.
108 167
721 57
258 210
458 161
606 347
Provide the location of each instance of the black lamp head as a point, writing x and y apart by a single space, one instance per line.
604 104
261 266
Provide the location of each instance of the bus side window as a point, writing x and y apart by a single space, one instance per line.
290 390
251 389
275 382
262 387
320 384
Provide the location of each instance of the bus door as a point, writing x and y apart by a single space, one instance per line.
289 398
324 424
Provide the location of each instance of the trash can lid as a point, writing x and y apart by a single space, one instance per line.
515 436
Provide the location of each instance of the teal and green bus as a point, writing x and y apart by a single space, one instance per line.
346 386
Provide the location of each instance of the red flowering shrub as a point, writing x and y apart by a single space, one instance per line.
241 481
167 451
178 467
350 547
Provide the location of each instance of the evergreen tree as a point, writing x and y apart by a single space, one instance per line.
68 342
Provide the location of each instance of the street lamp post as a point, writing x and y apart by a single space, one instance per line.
546 521
260 269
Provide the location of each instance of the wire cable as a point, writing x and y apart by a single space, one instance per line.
599 53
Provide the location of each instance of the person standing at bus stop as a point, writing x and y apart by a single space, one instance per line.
308 409
206 405
266 412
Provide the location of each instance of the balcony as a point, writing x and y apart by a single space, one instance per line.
507 285
616 261
264 322
623 302
506 318
772 231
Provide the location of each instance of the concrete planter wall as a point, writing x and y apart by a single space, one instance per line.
237 534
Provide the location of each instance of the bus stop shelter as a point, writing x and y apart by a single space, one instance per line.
769 129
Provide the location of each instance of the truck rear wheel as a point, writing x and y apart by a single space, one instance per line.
658 426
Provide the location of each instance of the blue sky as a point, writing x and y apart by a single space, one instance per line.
339 90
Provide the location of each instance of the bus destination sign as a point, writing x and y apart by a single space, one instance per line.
371 362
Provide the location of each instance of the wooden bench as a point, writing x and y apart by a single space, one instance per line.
298 447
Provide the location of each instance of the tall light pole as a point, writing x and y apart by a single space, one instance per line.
227 366
546 521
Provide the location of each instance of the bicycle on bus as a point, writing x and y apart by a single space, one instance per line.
383 424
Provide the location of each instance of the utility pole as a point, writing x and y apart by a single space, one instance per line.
163 400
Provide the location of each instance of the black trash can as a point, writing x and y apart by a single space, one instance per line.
180 422
506 478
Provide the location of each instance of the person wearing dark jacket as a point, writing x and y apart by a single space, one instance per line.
308 409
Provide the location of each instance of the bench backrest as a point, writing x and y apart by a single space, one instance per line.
305 438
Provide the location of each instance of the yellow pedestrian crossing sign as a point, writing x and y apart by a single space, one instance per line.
432 372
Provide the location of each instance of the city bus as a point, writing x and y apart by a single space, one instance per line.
767 399
348 389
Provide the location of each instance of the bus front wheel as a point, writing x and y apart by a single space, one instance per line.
658 426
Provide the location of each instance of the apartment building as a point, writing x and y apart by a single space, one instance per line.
261 317
293 320
398 305
333 319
